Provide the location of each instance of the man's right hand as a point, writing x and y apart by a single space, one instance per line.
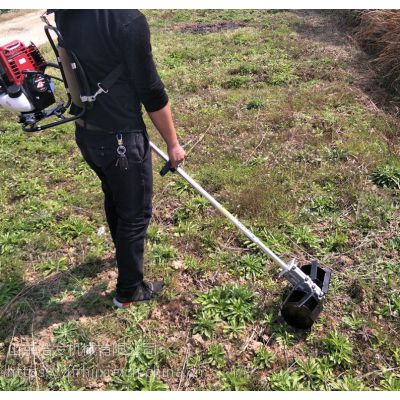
162 120
176 155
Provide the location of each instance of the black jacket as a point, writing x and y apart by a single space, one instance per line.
102 39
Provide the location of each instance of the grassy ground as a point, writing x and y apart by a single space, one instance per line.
279 124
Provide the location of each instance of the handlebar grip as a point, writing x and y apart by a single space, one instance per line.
167 168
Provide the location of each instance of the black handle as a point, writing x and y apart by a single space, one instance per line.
167 168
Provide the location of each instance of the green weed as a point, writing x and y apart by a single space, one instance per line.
142 357
232 304
186 228
336 241
275 240
59 378
195 266
244 69
315 373
229 303
161 254
396 355
237 82
285 380
304 236
10 241
323 376
74 227
8 290
131 380
284 338
387 176
234 329
372 211
251 267
181 187
66 333
348 383
132 318
193 206
263 358
335 154
353 321
194 361
391 308
339 348
12 384
50 266
254 104
237 380
28 187
323 205
204 323
155 235
391 382
216 356
151 383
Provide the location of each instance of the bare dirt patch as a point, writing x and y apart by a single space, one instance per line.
203 28
14 13
24 25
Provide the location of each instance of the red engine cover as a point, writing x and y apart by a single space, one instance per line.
15 57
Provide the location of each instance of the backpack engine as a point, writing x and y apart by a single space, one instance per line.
24 86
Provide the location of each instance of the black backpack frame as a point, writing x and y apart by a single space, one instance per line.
75 83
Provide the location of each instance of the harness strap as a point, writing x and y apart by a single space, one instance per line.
106 83
112 77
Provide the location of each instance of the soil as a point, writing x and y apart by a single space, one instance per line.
26 27
202 28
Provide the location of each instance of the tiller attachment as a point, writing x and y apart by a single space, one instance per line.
302 306
310 282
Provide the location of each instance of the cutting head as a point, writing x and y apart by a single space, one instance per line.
302 306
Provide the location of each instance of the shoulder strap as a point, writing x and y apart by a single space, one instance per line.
112 77
105 84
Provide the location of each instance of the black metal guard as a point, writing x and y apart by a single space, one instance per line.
34 127
302 307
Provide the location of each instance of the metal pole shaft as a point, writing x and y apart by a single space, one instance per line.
224 211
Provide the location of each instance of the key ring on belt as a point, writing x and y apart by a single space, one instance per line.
121 149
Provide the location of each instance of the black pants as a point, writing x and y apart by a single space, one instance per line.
127 196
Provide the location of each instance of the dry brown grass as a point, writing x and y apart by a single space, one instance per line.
379 34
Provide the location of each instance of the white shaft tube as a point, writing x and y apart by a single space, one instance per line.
224 211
